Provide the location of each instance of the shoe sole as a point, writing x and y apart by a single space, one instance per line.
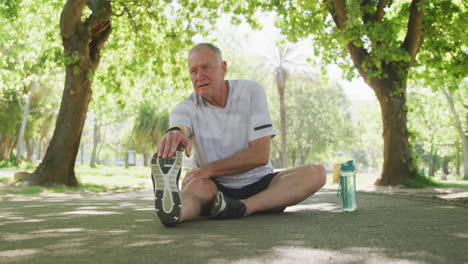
165 175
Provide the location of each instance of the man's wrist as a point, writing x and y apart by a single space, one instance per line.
173 129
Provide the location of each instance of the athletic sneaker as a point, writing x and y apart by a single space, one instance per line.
225 207
165 175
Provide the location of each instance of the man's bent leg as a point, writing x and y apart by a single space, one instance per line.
287 188
197 197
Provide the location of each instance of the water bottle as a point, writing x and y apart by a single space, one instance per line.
347 187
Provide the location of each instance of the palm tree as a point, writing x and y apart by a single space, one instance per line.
280 62
149 127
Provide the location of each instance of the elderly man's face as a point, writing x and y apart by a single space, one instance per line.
206 72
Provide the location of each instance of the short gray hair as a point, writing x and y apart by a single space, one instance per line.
210 46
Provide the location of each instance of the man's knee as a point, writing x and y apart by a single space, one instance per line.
317 175
202 189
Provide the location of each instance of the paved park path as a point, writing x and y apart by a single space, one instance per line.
122 228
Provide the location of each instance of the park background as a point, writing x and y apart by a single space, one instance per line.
330 115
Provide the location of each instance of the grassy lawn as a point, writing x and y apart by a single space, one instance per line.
105 178
134 177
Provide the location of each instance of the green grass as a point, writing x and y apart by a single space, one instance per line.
113 176
95 188
8 164
422 181
106 178
100 179
367 179
362 180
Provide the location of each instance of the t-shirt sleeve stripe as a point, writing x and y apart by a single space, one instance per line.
263 127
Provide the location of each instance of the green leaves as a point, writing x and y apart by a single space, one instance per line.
445 47
69 60
10 9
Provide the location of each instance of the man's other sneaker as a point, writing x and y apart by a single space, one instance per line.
165 175
225 207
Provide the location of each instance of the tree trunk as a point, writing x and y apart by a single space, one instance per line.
391 94
20 145
129 144
39 149
102 140
45 146
457 163
82 153
465 152
29 150
96 140
146 158
281 78
445 167
82 43
459 127
7 144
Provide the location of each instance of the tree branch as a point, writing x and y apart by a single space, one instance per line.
18 96
101 13
70 18
358 55
457 124
380 10
413 39
338 12
99 27
366 16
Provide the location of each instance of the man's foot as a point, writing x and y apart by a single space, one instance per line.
225 207
165 176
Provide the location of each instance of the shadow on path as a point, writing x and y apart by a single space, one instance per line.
122 228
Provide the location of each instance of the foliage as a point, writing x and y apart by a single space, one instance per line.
444 56
322 122
149 126
95 188
29 55
11 164
383 39
433 134
368 144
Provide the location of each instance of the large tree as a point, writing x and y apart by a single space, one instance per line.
161 32
82 42
382 38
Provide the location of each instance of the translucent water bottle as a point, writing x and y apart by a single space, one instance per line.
347 188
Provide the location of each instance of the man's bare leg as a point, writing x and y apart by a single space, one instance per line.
196 198
289 187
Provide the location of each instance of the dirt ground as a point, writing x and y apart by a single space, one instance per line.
389 226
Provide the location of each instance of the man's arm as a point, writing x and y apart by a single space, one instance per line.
255 155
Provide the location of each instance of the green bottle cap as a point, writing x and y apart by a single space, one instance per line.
348 166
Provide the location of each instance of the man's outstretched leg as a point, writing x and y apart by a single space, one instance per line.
165 175
172 205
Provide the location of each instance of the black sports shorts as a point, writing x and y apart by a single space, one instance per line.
249 190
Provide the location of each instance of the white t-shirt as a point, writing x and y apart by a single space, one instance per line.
222 132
